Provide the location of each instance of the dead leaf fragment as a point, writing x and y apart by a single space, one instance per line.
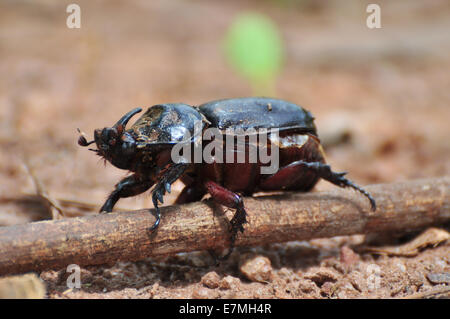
439 278
429 238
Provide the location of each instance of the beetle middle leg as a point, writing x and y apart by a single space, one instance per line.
288 173
229 199
129 186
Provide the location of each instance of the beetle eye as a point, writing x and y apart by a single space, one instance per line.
127 148
109 136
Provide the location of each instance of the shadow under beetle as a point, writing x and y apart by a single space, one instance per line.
145 149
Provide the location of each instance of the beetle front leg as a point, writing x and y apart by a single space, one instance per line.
129 186
168 177
229 199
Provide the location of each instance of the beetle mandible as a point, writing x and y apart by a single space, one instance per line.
145 150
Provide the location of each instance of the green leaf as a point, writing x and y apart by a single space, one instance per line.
254 48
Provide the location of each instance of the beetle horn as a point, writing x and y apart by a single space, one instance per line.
124 120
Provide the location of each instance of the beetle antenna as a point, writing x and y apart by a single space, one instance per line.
82 141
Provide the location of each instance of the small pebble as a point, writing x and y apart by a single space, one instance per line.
211 280
204 293
229 282
307 286
50 275
321 275
257 268
348 258
328 288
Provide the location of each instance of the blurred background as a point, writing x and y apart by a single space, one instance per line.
380 96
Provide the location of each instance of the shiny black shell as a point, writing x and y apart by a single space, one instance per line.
166 124
257 113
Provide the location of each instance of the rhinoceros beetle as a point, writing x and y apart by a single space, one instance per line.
145 149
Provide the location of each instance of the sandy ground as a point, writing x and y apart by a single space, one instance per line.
389 87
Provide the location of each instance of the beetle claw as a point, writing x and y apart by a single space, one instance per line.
156 224
160 197
167 186
157 215
156 196
343 182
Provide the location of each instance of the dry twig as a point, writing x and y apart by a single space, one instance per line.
100 239
55 211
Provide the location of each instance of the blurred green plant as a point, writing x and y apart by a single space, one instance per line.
254 48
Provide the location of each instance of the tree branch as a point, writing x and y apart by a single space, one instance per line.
106 238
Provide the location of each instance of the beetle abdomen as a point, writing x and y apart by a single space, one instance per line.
294 148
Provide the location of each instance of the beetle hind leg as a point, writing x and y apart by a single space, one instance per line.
324 171
288 177
341 181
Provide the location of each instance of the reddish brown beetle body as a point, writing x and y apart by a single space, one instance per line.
146 150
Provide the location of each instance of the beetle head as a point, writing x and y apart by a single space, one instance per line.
113 143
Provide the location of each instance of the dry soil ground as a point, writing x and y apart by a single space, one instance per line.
389 87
